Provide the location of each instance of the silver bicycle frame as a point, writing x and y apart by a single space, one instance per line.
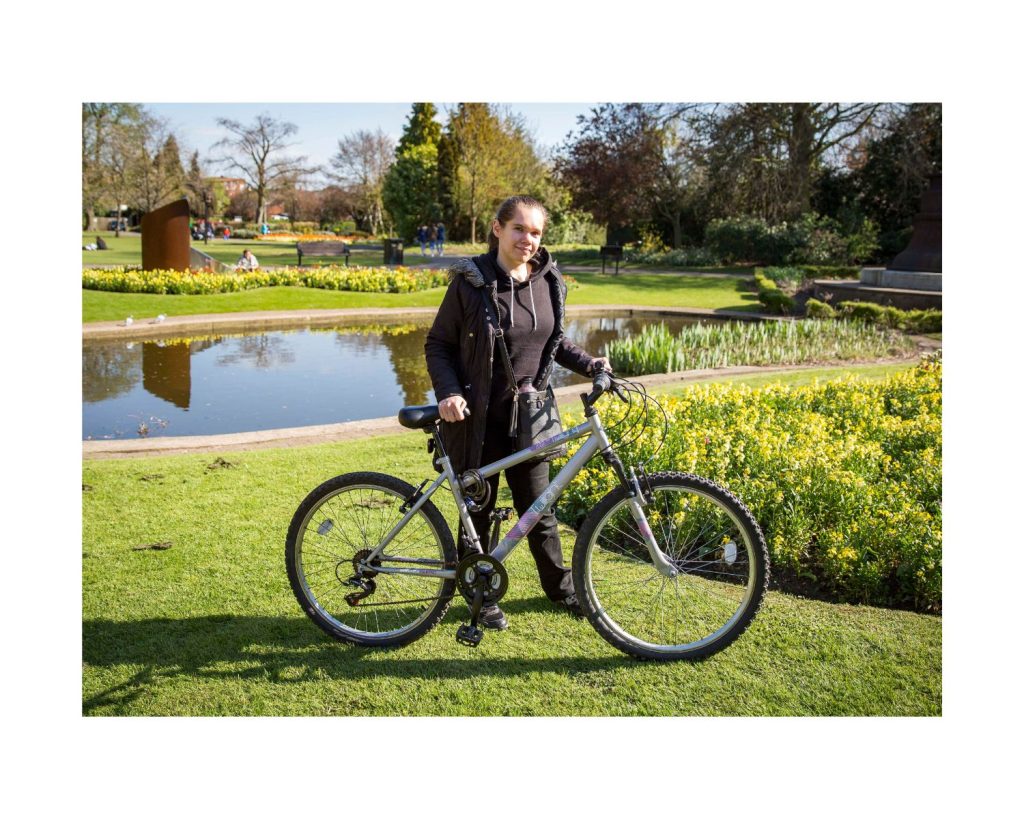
597 441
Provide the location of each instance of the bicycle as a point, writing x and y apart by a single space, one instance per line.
666 566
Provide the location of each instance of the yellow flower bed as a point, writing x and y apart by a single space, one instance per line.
844 477
177 282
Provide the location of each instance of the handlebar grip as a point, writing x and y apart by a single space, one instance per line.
602 383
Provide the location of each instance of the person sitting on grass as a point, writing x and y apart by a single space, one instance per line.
247 261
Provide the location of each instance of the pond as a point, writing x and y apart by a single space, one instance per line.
229 383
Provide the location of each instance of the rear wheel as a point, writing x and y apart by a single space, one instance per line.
710 538
332 533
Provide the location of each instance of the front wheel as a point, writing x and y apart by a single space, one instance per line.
333 533
710 538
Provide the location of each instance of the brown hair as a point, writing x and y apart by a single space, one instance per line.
507 209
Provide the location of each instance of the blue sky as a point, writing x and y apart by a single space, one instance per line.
321 124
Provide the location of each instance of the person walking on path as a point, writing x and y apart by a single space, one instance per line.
440 239
432 238
421 237
517 285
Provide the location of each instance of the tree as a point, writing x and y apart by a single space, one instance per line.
103 125
258 155
159 177
895 168
764 158
495 158
361 164
410 189
613 164
422 127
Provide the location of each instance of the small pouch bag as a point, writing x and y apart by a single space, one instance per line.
538 419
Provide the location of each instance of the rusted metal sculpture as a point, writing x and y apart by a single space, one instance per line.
165 239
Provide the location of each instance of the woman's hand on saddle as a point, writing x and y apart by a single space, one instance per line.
451 408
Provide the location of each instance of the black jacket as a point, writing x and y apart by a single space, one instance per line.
460 348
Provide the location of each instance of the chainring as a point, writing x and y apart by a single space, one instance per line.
481 571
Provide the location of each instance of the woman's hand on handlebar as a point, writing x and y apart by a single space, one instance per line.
600 363
453 408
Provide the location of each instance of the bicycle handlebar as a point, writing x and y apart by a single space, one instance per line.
603 382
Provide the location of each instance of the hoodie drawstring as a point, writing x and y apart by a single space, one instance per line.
512 305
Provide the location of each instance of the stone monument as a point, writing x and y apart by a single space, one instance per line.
165 239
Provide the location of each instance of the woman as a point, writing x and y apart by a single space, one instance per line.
518 282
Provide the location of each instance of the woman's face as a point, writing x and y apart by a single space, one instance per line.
519 238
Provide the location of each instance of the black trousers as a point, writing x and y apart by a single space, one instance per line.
526 482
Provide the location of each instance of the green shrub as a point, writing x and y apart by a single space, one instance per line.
777 303
792 275
243 233
844 477
801 274
910 321
819 310
679 257
811 240
863 310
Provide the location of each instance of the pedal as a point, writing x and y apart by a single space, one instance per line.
469 635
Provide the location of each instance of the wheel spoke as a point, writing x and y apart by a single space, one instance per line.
641 610
360 516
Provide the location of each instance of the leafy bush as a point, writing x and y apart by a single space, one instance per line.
800 274
243 233
771 297
739 343
844 477
680 257
910 321
819 310
777 303
176 282
812 239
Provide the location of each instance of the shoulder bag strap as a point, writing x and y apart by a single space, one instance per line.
513 384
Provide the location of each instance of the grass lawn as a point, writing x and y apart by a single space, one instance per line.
210 627
666 290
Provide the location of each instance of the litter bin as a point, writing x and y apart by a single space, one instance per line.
394 251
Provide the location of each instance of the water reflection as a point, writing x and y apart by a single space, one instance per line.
285 378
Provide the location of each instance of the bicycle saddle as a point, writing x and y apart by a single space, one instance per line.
419 417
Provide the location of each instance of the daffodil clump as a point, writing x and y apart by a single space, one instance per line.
845 477
177 282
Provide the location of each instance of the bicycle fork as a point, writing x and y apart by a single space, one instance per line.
636 507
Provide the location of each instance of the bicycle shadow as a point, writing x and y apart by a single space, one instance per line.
284 650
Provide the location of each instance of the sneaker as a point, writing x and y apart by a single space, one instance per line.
571 605
493 617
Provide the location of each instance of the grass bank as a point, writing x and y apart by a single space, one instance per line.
715 293
209 625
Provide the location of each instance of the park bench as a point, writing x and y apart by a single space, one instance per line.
392 250
322 249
